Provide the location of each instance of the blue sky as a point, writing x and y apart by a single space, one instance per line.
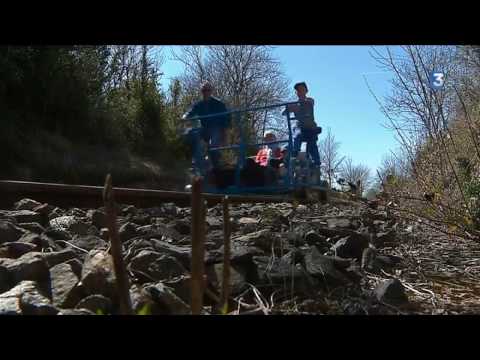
334 75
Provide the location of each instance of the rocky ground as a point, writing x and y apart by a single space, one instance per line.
319 259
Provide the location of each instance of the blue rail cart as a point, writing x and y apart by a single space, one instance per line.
298 175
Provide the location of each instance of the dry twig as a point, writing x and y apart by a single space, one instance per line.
118 264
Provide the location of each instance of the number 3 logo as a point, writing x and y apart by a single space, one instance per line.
437 80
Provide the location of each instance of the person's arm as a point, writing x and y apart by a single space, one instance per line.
258 157
191 113
290 108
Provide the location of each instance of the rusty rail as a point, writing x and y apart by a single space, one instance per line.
91 196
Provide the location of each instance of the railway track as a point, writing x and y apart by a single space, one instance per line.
91 196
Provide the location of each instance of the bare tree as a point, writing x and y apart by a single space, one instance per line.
243 75
419 111
130 62
356 174
330 156
395 163
421 116
436 128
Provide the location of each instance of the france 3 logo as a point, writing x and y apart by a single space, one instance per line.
437 80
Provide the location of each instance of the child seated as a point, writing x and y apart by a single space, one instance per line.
270 154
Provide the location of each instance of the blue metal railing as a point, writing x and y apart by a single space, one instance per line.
257 108
242 147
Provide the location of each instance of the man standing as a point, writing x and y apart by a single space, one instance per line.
213 129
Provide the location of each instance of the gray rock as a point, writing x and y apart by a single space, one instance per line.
154 266
75 312
238 278
326 269
76 265
136 245
70 224
159 231
57 234
14 250
92 230
26 298
44 209
345 223
26 267
154 211
333 232
26 204
181 253
104 234
384 238
215 237
55 213
127 231
391 292
4 279
32 227
181 286
129 210
369 263
263 239
160 300
295 238
380 262
76 212
214 223
52 258
64 281
40 241
390 260
241 254
97 304
34 303
140 219
379 224
183 227
280 272
26 216
350 246
313 238
170 209
98 218
9 232
10 300
57 257
247 221
9 305
97 274
5 216
87 242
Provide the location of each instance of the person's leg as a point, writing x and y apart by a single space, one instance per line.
312 149
193 138
297 142
217 139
